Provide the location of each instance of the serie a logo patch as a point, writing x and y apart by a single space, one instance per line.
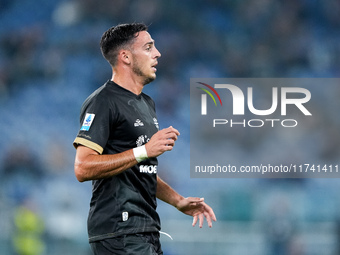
87 121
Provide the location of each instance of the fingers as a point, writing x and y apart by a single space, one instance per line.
207 216
205 211
162 141
172 130
200 217
169 136
194 221
209 212
170 133
201 220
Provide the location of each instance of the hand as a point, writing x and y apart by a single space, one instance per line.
198 209
162 141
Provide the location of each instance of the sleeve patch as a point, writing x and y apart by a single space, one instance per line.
87 121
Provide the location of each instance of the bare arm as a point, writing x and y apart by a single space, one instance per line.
166 193
90 165
192 206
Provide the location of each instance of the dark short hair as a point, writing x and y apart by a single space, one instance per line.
118 37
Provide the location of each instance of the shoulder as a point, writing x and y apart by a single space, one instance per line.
101 96
102 92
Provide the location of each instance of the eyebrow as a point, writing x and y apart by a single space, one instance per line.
148 43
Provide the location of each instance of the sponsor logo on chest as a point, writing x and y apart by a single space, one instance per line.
148 169
138 123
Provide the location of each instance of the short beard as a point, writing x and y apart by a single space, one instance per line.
147 80
139 72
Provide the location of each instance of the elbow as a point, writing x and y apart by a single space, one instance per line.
80 172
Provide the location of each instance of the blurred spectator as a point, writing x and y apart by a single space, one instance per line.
21 173
280 226
28 233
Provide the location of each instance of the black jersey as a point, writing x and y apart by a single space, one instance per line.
114 120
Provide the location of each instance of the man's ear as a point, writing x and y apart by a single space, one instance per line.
125 56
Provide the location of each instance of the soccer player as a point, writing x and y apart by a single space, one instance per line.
117 148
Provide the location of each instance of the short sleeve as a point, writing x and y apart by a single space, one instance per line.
95 122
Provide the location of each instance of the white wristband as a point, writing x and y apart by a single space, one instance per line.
140 153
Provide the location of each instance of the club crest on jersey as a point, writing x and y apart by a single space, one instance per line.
89 117
142 139
138 123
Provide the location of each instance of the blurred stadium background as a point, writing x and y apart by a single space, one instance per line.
50 62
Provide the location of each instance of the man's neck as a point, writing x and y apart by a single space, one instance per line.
128 81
